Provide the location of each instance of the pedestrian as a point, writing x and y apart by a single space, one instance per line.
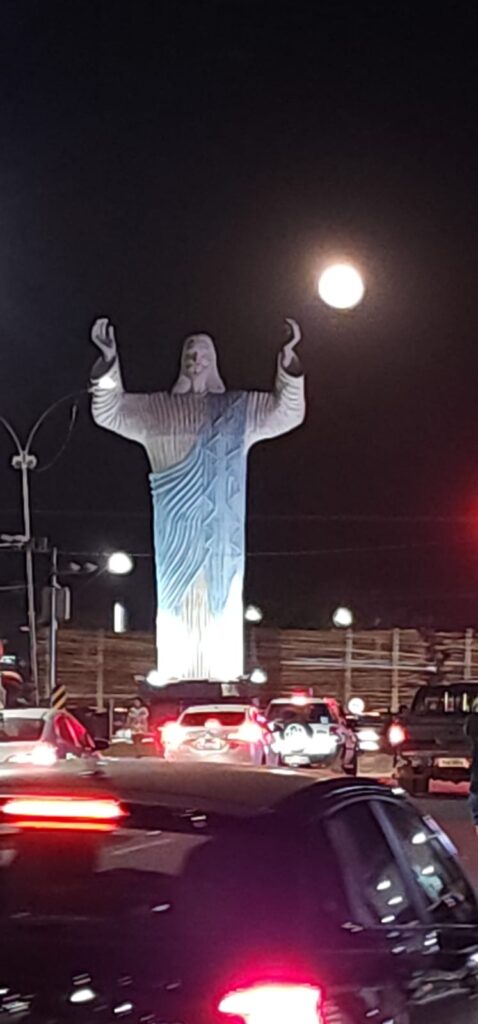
138 723
471 731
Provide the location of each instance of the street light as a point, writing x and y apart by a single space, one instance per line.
154 678
342 617
258 676
341 286
25 461
253 613
119 563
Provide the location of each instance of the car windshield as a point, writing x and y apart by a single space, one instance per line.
317 714
197 719
443 700
15 729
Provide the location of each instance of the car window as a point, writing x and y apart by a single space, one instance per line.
377 892
197 719
14 729
316 714
443 887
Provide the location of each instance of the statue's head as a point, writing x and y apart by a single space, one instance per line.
199 372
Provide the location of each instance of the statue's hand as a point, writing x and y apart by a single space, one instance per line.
103 336
294 335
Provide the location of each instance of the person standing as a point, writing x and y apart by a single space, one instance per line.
138 723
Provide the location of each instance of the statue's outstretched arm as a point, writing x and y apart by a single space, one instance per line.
132 416
276 412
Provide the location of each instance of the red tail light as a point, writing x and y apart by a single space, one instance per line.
274 1004
60 812
172 735
396 734
249 732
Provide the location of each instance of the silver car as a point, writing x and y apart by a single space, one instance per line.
232 733
42 736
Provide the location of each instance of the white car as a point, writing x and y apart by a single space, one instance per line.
313 731
42 736
232 733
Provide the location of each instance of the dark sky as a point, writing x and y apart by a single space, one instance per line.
190 166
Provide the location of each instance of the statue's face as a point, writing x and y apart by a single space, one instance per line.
197 359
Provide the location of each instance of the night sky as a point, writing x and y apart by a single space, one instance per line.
190 166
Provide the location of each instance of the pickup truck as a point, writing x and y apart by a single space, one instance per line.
430 737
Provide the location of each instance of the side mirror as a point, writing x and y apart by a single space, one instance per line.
101 744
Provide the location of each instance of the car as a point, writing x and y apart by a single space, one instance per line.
42 736
234 733
429 739
211 894
313 731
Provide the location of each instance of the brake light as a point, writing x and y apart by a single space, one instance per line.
274 1004
172 735
396 734
43 755
249 732
60 812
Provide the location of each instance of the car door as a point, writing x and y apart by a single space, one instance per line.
390 936
448 906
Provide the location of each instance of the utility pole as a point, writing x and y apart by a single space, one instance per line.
54 586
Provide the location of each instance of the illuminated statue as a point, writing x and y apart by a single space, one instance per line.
197 438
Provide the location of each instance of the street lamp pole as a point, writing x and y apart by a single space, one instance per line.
26 462
53 620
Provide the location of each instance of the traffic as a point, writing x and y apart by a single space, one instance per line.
240 868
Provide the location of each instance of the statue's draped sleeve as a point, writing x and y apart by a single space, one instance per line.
136 417
271 413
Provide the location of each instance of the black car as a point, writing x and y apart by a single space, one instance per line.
179 895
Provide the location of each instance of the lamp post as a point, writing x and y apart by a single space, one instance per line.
25 461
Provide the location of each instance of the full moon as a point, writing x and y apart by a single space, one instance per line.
341 286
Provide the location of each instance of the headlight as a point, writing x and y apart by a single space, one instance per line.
369 740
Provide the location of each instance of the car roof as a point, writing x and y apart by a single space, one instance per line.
228 790
25 712
302 697
201 708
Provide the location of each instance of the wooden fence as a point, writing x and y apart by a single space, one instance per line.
382 666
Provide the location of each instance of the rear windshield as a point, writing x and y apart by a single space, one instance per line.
318 714
15 730
200 718
444 700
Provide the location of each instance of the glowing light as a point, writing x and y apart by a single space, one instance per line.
120 563
63 808
249 732
419 839
123 1008
384 885
82 995
43 755
341 286
356 706
396 735
253 613
343 618
259 676
300 700
119 617
172 735
280 1004
106 383
154 678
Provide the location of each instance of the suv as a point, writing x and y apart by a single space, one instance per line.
222 895
313 731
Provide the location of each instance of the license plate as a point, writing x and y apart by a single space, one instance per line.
453 762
